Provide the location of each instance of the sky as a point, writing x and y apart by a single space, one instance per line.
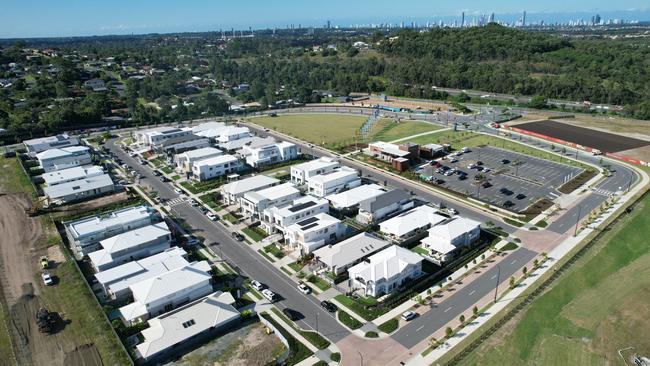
59 18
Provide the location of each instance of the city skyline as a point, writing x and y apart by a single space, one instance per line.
81 19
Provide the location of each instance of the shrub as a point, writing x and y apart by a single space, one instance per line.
389 326
336 357
348 320
372 334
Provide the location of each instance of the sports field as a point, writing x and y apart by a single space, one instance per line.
599 306
338 129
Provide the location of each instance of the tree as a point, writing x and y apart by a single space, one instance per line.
449 332
512 282
535 263
538 102
475 311
462 319
524 270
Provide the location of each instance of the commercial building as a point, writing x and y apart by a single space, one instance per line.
85 234
79 189
278 218
116 281
167 291
35 146
386 271
186 326
64 158
411 225
71 174
232 192
269 154
131 245
215 167
446 238
378 208
301 172
182 143
186 160
351 198
337 258
399 156
312 233
254 203
155 136
334 181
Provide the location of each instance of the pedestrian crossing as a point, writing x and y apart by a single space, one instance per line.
604 192
175 201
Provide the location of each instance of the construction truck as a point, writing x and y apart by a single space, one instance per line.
45 320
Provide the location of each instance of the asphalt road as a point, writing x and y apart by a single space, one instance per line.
241 257
425 325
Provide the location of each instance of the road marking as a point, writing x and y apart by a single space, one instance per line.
513 261
449 308
473 291
493 277
420 328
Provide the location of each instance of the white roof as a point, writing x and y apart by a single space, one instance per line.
127 240
95 224
81 185
216 160
48 139
342 172
250 141
61 152
350 250
185 322
199 153
248 184
208 126
411 220
353 196
299 205
122 276
272 193
318 222
71 174
448 231
165 284
389 148
386 264
321 163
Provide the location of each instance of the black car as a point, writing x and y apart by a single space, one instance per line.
508 204
328 306
237 236
291 314
462 177
505 191
521 196
505 161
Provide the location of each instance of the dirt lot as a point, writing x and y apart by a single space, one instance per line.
602 141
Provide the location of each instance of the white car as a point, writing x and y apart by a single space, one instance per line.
408 315
178 190
211 216
193 203
47 279
256 285
270 295
471 166
304 288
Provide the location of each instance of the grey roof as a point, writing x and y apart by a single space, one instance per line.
383 200
350 250
181 139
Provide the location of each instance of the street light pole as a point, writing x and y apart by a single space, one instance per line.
496 287
575 232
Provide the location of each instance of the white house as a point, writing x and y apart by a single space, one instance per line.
269 154
35 146
182 143
209 129
351 198
232 192
378 208
445 238
185 161
71 174
187 325
312 233
232 133
116 281
254 203
131 245
155 136
215 167
277 218
253 142
167 291
333 181
63 158
86 233
411 224
386 271
79 189
301 172
340 256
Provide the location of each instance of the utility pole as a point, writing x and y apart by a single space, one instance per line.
575 232
496 287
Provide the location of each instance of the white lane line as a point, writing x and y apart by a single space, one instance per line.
473 291
513 261
493 277
449 308
420 328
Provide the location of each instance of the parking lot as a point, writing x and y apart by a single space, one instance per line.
503 178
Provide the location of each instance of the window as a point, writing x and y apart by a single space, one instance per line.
189 323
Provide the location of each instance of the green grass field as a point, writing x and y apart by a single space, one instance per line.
598 307
331 129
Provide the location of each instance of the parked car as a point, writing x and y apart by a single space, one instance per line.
331 307
521 196
257 285
291 314
237 236
44 262
453 160
47 278
304 288
193 203
178 190
479 163
505 161
211 216
270 295
508 204
471 166
408 315
487 184
465 149
163 178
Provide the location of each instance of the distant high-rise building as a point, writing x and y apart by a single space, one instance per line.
401 24
491 20
597 19
523 21
462 20
329 25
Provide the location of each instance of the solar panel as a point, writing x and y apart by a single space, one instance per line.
309 226
308 221
302 206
